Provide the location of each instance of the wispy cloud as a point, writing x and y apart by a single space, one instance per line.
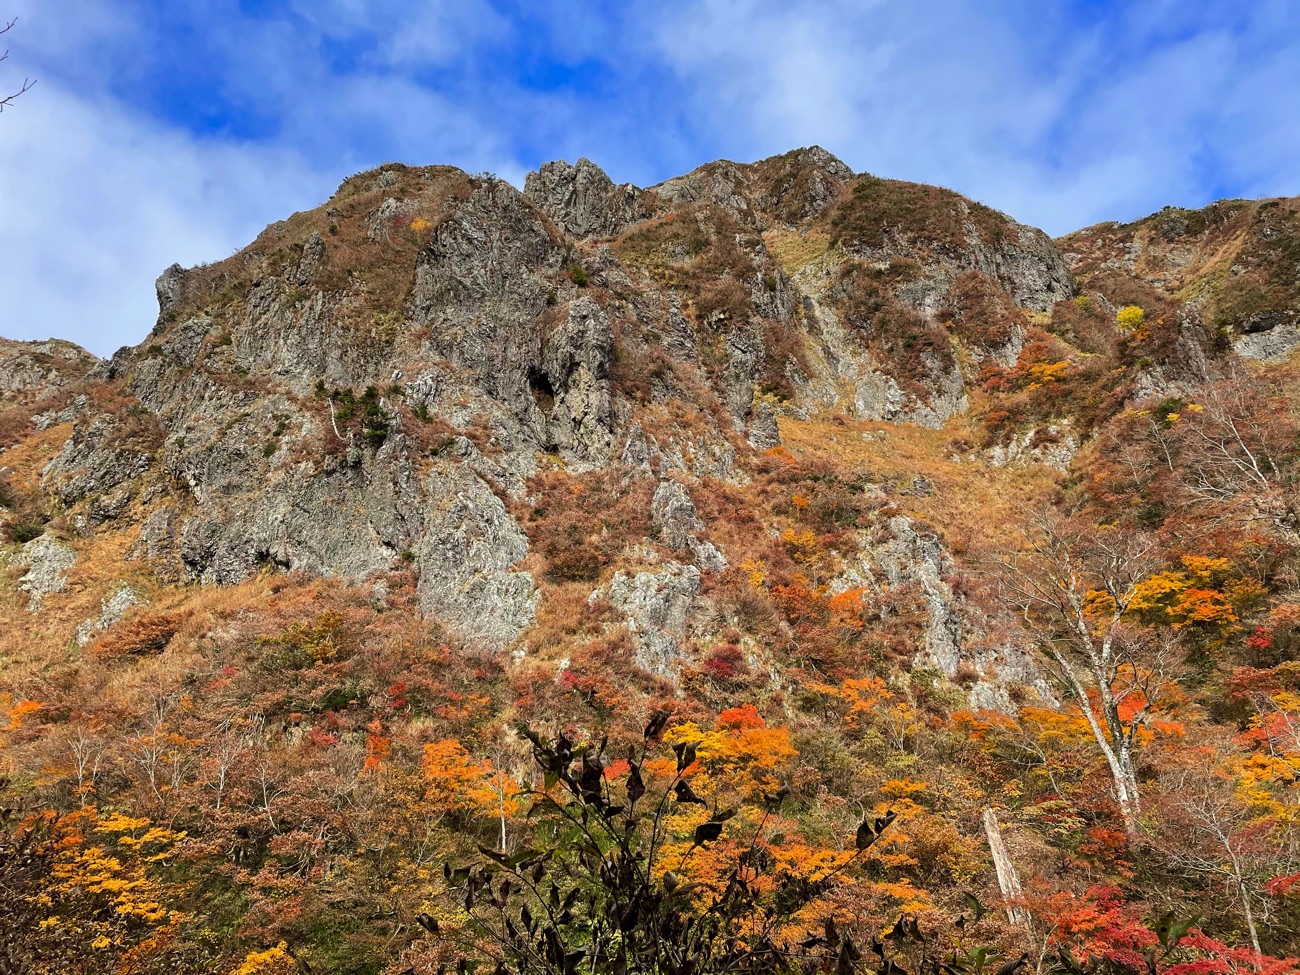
97 202
174 129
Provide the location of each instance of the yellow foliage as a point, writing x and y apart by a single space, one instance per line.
1098 604
419 225
864 696
1042 373
120 877
116 822
273 961
1130 317
1205 570
903 788
802 545
1183 598
1153 593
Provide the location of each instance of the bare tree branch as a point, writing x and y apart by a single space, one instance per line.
27 82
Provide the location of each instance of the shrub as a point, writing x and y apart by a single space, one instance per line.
143 635
24 531
1129 317
581 525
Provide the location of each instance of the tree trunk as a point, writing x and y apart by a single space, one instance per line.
1126 789
1008 880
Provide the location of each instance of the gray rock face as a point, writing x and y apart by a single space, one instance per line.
168 287
582 200
878 396
1052 445
657 605
350 520
465 556
638 453
43 421
906 557
35 370
486 351
763 431
680 527
384 218
185 342
99 457
722 183
1028 266
48 562
1268 338
480 292
313 253
576 377
912 557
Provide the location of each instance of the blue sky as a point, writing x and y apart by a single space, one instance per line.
174 130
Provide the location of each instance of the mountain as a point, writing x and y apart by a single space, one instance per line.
1234 261
441 454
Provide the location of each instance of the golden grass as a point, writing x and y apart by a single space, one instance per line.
795 251
970 501
24 461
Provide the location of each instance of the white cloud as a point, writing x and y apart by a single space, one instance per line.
1058 122
98 200
97 203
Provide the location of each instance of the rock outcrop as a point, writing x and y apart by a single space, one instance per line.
583 201
47 562
657 605
1233 263
384 384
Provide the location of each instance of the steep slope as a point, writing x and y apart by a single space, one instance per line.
790 464
1236 261
375 383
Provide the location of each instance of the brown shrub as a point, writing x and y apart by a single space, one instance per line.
580 525
143 635
877 208
981 314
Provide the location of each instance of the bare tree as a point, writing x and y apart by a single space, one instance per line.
1210 832
1073 585
1236 444
8 100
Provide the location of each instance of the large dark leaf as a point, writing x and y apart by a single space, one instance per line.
686 794
635 784
707 832
655 727
428 922
685 756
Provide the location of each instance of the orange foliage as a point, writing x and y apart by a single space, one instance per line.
142 635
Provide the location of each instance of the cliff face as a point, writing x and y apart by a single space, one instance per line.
1236 263
400 380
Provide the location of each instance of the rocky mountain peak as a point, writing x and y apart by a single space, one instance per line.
1236 263
582 200
410 378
